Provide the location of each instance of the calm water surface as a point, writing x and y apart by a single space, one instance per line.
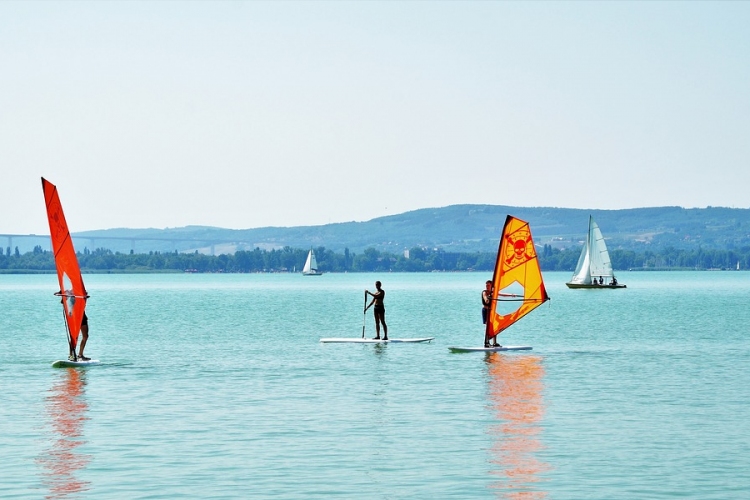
217 386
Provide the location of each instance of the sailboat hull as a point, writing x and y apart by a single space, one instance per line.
491 349
581 285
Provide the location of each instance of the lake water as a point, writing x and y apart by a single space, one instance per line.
216 386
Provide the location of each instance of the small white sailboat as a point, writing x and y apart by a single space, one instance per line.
594 269
311 265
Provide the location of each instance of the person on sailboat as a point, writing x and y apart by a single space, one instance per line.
378 311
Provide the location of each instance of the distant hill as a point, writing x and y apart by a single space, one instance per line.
465 228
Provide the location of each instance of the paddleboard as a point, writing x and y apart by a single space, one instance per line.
491 349
348 340
66 363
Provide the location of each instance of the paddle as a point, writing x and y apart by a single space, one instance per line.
364 315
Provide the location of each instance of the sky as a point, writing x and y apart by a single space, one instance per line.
252 114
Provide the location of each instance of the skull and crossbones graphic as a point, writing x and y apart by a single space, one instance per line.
519 248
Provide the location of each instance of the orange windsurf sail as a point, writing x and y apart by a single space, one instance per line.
518 287
72 291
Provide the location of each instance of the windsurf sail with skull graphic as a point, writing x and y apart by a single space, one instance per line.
72 291
518 287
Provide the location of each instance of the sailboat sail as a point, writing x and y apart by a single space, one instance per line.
594 260
518 285
311 264
72 289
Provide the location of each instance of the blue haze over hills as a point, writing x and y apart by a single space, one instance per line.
456 228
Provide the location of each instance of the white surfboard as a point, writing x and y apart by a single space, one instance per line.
491 349
66 363
349 340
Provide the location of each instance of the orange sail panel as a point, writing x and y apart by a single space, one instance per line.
72 290
518 287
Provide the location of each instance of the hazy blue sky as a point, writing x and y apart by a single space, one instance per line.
243 115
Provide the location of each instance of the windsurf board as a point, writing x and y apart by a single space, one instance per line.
491 349
66 363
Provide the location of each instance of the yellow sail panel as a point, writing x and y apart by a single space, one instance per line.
72 290
518 287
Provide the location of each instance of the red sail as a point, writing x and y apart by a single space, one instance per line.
72 290
518 287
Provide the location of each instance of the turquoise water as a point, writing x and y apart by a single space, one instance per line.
217 386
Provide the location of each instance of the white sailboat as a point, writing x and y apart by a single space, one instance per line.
594 269
311 265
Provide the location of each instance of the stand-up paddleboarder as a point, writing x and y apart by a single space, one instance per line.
379 310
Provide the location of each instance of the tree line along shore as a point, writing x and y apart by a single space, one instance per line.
370 260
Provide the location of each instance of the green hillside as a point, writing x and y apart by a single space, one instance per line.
456 228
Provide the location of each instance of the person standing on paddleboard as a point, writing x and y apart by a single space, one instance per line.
379 310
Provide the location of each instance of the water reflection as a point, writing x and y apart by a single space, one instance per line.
66 409
515 394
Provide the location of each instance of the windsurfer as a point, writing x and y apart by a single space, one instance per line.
84 337
379 310
486 302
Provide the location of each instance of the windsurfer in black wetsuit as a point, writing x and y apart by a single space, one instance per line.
378 311
486 302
